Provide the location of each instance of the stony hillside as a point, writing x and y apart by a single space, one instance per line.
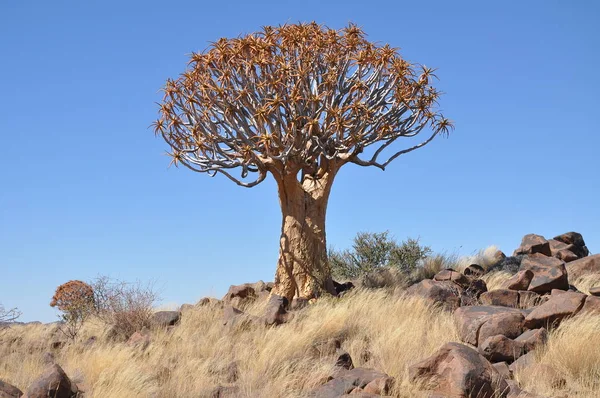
518 326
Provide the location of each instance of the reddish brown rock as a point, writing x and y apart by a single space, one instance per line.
595 291
233 317
165 318
548 273
519 281
346 381
533 338
591 305
533 243
237 295
477 323
575 239
379 386
514 391
210 302
453 276
474 270
52 383
562 251
584 266
275 311
9 391
445 293
500 348
502 368
457 370
524 361
502 297
139 340
557 308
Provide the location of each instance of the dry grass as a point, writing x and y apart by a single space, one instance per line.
380 329
574 354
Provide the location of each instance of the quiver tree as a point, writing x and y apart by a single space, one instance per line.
297 102
74 298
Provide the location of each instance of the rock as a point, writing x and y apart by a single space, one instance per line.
514 391
477 323
452 276
52 383
519 281
209 301
523 362
344 361
533 338
595 291
502 297
238 295
457 370
9 391
342 287
474 270
562 251
380 386
275 313
445 293
502 368
591 305
232 316
548 273
557 308
533 243
139 340
186 307
584 266
575 239
346 381
472 293
298 303
509 264
165 318
500 348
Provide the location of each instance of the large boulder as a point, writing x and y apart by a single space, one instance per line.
53 382
345 381
519 281
477 323
584 266
457 370
165 318
275 311
500 348
562 251
533 338
238 295
445 293
548 273
575 239
9 391
533 243
452 276
553 311
510 298
591 305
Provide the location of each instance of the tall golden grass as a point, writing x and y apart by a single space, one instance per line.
381 329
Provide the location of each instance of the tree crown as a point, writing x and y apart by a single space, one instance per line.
295 97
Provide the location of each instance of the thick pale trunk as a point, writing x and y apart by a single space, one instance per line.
302 269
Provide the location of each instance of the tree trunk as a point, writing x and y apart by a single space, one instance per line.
302 269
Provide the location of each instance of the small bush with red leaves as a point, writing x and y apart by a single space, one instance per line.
74 297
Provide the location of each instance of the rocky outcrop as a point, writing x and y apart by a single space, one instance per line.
477 323
557 308
548 273
532 244
165 318
584 266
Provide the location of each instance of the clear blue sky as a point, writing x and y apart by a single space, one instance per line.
85 188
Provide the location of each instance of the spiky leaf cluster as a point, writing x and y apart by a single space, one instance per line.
294 97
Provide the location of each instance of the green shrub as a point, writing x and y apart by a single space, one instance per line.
372 251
